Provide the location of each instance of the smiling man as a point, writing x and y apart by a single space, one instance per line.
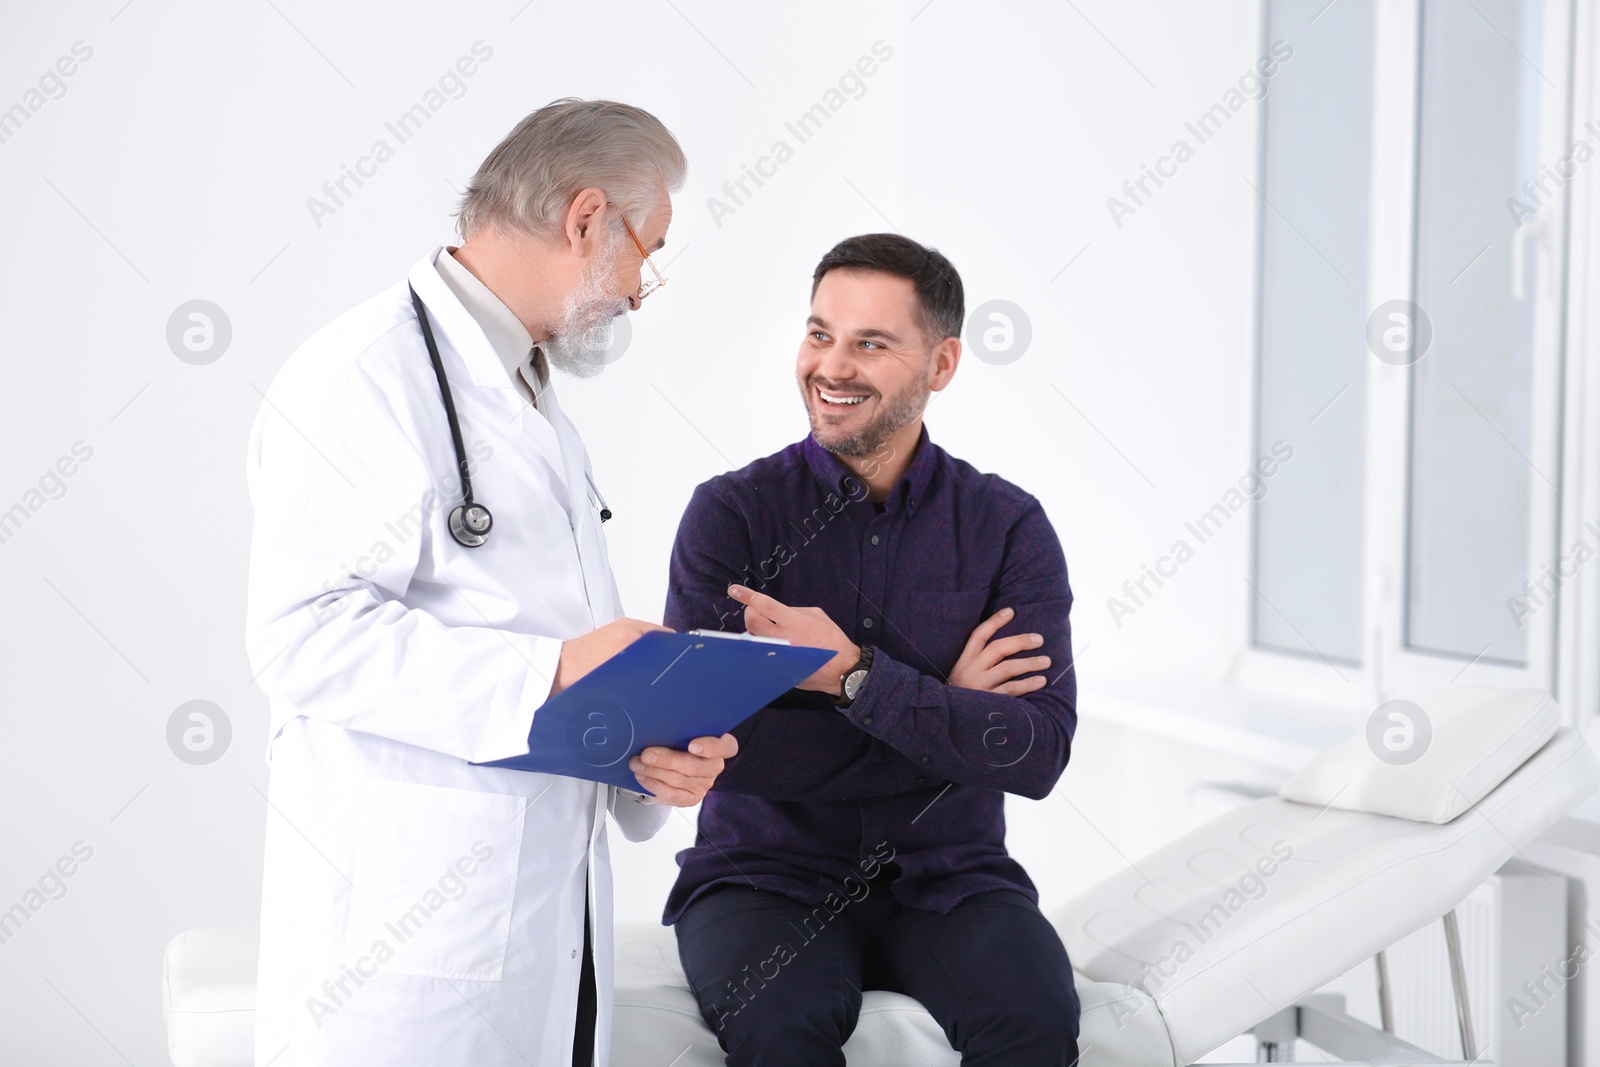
858 839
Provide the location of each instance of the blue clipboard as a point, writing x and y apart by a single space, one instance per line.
664 689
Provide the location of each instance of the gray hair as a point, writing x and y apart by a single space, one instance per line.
531 177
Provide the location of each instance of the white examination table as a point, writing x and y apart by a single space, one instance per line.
1355 883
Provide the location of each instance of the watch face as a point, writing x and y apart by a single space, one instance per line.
852 684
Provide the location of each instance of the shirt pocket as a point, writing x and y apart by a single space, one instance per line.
941 623
435 879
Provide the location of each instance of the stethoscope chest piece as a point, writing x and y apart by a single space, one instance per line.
470 524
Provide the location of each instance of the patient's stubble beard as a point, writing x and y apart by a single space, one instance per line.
580 344
893 414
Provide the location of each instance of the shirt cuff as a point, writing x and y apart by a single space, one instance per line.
890 685
640 820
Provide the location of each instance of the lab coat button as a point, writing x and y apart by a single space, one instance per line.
574 953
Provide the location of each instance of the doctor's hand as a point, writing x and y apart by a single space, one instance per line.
766 617
583 654
681 779
983 664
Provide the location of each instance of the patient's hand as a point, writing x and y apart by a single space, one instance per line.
765 616
983 664
681 779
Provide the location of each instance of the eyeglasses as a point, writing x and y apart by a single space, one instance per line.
650 286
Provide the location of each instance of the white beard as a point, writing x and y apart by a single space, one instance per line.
581 344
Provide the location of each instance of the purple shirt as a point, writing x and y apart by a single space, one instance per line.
914 767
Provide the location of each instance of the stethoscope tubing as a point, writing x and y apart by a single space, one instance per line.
467 537
449 401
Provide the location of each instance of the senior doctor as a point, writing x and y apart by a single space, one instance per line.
418 909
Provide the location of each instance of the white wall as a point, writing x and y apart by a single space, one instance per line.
177 165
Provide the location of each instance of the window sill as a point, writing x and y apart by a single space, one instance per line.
1264 728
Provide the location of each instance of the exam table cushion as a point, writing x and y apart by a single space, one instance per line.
1274 899
657 1019
208 995
209 1000
1479 735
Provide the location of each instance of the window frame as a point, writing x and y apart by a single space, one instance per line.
1563 653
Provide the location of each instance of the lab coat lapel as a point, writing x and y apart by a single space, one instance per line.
547 439
598 581
456 330
455 327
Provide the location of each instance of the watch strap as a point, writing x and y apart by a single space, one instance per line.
843 700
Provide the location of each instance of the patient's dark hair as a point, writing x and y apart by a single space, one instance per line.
940 300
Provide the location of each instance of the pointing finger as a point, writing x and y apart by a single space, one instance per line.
760 602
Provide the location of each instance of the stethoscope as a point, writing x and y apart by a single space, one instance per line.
470 522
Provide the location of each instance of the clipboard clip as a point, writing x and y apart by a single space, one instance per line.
738 637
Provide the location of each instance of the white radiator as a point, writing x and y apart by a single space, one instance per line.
1513 944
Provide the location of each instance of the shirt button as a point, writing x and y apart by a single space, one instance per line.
866 624
866 720
927 759
874 538
843 799
920 779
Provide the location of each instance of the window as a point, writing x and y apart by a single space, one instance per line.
1481 262
1414 182
1311 394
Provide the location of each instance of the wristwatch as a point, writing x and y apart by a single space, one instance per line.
853 679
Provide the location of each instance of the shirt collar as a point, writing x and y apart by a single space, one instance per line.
832 473
506 335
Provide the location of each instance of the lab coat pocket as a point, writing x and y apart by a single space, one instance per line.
435 877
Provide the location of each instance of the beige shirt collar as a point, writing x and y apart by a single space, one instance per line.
507 336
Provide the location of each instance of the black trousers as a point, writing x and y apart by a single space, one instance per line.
780 983
588 1002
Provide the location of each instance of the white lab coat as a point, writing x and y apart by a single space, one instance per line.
417 909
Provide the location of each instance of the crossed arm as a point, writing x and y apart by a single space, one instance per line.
997 722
